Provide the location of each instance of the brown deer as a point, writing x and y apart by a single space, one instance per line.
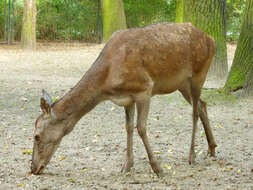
135 65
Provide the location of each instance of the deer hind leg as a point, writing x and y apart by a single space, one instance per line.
129 111
187 94
143 102
208 131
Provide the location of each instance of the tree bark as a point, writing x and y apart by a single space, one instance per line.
113 17
28 34
180 11
241 73
209 16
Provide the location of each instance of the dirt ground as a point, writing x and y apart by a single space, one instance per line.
92 155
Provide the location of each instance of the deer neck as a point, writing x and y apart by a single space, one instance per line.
80 100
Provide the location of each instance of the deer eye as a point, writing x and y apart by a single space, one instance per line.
37 138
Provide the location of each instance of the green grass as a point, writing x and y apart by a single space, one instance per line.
214 96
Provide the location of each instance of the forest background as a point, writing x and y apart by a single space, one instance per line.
68 20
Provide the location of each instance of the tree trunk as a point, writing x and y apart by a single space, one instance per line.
209 16
28 35
13 22
180 11
113 17
5 20
241 73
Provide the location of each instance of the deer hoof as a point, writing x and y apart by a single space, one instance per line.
157 169
191 158
211 152
160 174
126 167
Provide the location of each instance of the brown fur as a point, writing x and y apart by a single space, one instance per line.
135 65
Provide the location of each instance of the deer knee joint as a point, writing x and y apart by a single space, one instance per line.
141 131
129 129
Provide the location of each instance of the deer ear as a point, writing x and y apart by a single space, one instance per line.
46 102
45 107
47 98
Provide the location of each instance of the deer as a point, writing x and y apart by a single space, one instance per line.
134 65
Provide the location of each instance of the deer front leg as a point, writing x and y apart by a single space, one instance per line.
143 103
129 111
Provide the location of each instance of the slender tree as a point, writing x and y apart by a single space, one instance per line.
179 10
209 16
113 17
13 22
28 34
241 73
5 20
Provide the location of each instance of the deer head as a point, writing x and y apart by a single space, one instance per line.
47 135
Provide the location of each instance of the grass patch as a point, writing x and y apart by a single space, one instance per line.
215 96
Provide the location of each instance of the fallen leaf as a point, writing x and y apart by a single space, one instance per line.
56 99
24 99
167 166
72 180
170 150
218 126
85 169
225 169
221 163
20 184
157 152
6 147
28 174
27 152
87 148
63 158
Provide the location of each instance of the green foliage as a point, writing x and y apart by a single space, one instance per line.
1 19
235 10
67 20
18 17
77 19
144 12
236 80
60 20
214 96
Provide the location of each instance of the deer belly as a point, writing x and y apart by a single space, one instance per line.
122 100
167 86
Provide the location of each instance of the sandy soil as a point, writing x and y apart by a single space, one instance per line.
92 155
